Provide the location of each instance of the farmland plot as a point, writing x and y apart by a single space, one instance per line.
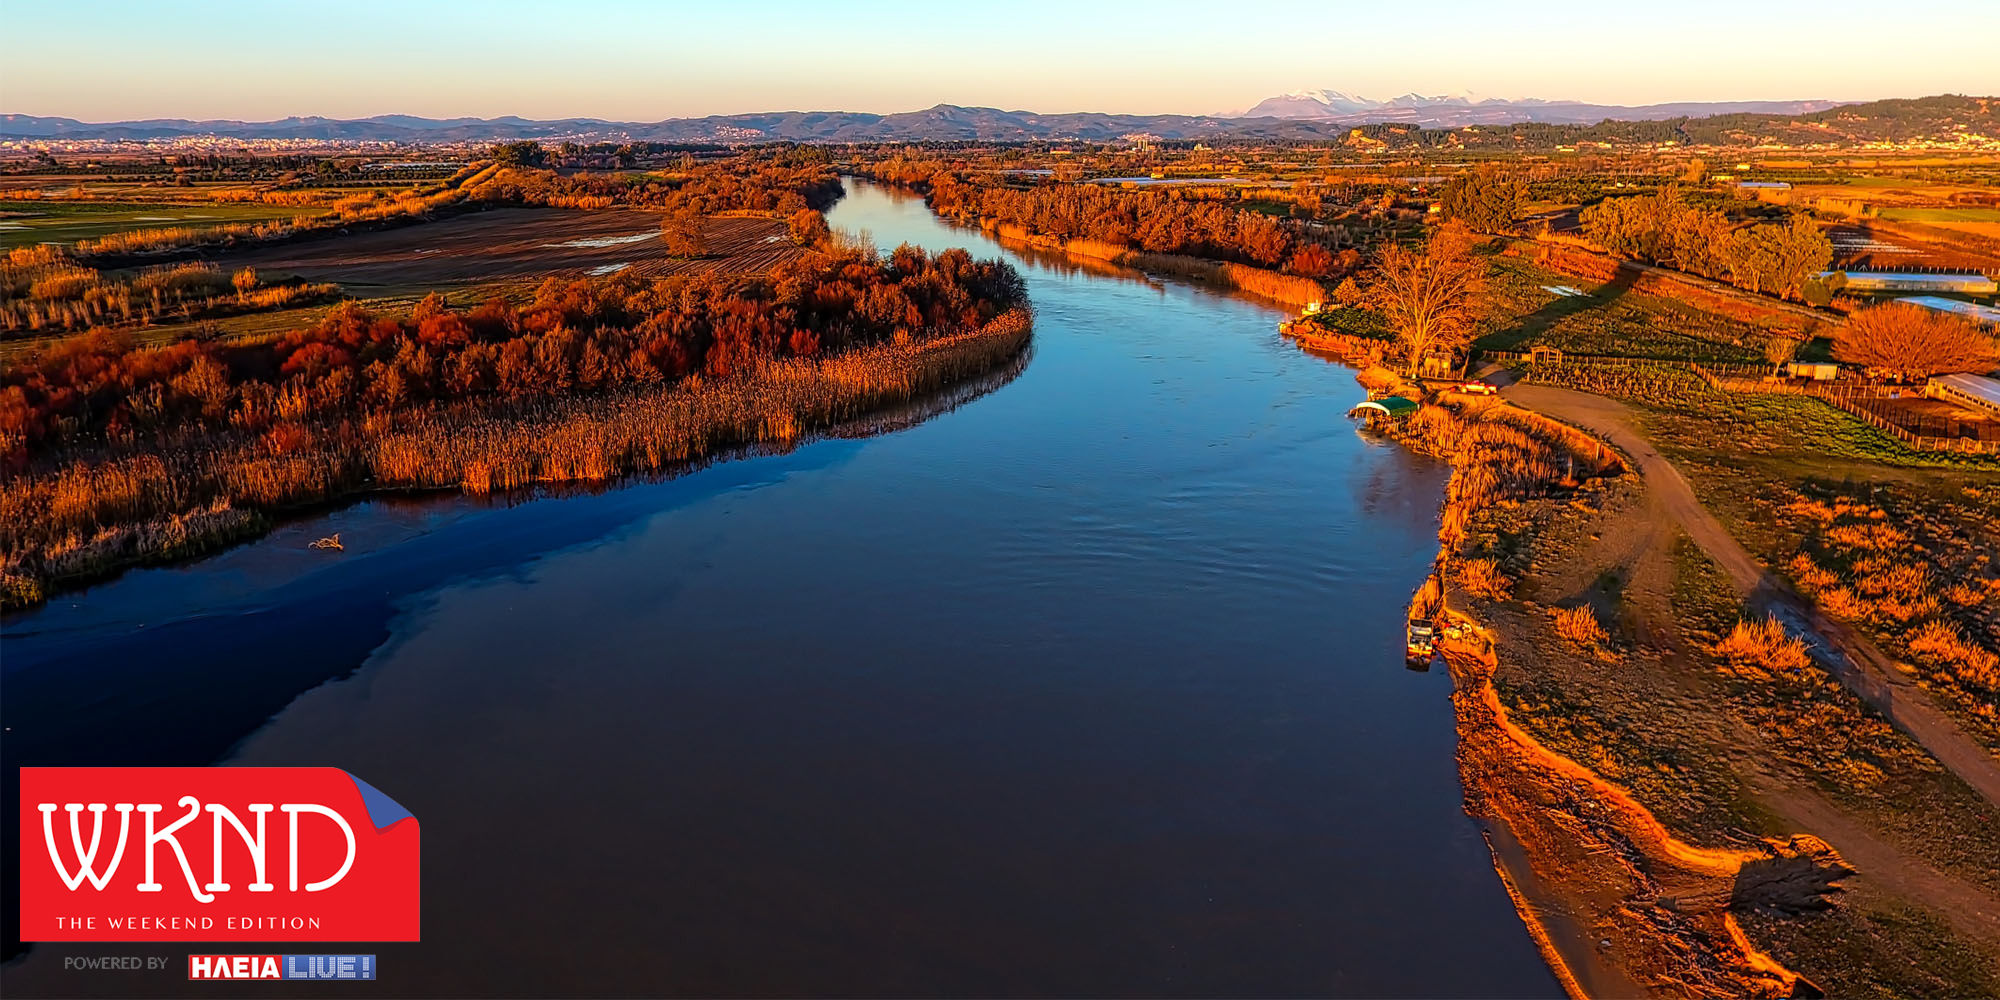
518 243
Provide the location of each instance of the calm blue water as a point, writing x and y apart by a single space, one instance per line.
1092 685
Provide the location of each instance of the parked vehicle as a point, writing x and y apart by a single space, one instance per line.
1478 388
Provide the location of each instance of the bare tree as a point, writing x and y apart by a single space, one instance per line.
1779 350
1912 342
1429 297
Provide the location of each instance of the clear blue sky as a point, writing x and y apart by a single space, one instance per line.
98 60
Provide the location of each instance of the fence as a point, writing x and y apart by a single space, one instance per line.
1882 407
1745 368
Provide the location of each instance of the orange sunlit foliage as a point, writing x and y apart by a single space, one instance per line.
579 335
1912 342
1156 221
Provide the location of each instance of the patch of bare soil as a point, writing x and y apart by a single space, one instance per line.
1841 649
1671 819
1717 764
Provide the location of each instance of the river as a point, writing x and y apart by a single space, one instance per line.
1090 685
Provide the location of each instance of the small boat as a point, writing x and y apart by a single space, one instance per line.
1420 640
1384 408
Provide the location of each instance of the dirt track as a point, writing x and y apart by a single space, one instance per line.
504 243
1848 655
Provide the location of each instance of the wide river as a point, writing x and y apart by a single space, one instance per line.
1090 685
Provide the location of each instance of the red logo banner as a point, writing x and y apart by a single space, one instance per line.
214 854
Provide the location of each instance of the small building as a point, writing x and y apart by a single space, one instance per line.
1764 185
1970 283
1818 371
1970 310
1974 392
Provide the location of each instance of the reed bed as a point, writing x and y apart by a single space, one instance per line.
99 514
44 289
1501 453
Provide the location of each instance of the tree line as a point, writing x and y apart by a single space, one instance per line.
1778 258
572 336
1156 221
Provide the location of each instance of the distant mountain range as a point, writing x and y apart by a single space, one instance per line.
1458 110
943 122
1458 120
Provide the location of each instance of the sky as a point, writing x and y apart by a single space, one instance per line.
629 60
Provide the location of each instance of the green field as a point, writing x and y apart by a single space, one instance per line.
1941 214
1606 319
1786 436
32 221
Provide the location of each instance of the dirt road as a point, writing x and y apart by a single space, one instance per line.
1847 654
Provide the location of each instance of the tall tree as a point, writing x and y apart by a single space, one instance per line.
1485 200
680 233
1912 342
525 153
1779 257
808 228
1430 297
1780 350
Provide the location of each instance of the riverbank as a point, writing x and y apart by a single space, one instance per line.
1058 630
1282 288
1657 806
1576 851
477 449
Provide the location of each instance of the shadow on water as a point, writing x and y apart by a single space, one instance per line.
187 690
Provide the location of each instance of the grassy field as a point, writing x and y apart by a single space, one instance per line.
1937 215
32 221
1897 541
1605 319
1788 433
467 258
1717 749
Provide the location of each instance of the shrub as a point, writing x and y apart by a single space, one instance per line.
1764 648
1943 644
1580 626
1482 577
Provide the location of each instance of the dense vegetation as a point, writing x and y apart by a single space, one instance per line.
1663 229
574 335
1155 221
1913 343
751 182
118 454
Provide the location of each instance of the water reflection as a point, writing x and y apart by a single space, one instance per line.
1089 687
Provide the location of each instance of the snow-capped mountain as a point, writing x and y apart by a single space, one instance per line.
1466 108
1311 104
